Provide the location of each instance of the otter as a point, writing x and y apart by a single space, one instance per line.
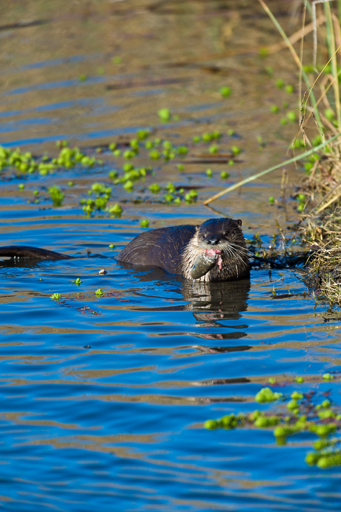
214 251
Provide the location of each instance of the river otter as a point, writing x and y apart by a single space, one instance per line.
214 251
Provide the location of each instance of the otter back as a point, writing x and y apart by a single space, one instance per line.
159 248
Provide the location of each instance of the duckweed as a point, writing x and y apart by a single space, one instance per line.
56 195
213 149
165 114
191 196
154 154
267 395
128 186
292 116
55 296
154 188
225 91
182 150
143 134
236 150
323 420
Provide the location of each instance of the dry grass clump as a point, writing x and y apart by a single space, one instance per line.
323 234
321 188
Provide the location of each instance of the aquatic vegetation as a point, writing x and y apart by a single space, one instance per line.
165 114
56 296
154 188
213 149
225 91
56 195
292 116
280 83
267 395
99 292
236 150
116 211
323 420
191 196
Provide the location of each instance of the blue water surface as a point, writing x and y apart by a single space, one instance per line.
104 398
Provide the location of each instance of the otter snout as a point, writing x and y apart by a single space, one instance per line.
213 240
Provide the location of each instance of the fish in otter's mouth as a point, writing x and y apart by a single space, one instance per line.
205 261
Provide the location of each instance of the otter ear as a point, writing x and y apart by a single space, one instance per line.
239 222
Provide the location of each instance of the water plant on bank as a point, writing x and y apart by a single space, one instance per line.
296 414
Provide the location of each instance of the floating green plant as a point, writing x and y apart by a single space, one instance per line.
225 91
165 114
115 210
323 420
55 296
56 195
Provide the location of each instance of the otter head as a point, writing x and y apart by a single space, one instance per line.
217 252
219 233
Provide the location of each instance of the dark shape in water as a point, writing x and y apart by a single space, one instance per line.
19 251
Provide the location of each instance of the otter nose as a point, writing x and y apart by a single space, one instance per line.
213 240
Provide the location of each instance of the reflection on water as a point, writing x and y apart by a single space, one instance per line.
103 399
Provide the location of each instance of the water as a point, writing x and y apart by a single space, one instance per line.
104 398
